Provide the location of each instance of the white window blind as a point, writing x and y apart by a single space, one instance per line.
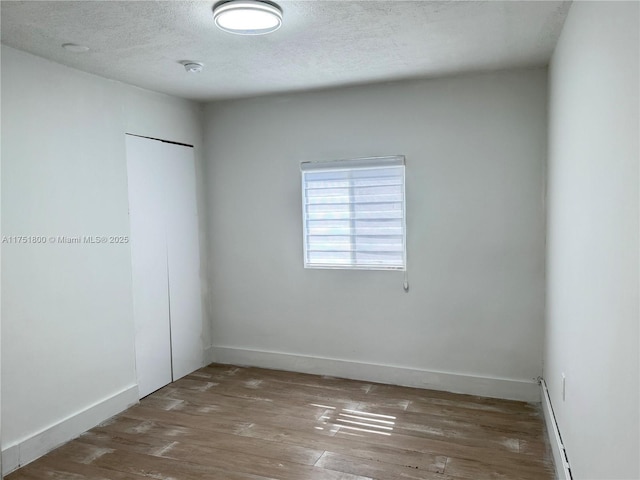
354 213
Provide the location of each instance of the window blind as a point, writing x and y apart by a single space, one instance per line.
354 213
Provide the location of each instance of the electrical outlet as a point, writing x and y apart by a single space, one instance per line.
564 387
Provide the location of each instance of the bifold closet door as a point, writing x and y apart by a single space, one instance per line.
166 261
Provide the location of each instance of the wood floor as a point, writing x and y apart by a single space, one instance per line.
232 423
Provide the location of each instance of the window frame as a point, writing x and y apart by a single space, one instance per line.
351 165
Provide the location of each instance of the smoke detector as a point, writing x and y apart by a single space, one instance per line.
193 67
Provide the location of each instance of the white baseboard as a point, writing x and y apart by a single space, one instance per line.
451 382
38 444
563 471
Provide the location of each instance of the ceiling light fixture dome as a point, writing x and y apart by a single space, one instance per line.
247 17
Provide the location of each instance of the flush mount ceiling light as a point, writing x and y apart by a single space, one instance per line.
247 17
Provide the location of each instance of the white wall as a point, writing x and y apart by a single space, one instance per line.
592 293
1 470
475 148
67 320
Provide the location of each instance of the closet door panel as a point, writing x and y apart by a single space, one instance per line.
149 263
183 247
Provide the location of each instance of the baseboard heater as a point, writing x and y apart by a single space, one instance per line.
559 453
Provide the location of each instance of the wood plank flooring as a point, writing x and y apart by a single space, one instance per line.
232 423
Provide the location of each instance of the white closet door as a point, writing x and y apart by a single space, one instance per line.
183 246
145 160
166 261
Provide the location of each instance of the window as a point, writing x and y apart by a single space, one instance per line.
354 214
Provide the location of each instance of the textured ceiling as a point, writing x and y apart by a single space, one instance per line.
321 43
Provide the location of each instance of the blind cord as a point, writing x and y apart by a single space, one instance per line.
405 285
